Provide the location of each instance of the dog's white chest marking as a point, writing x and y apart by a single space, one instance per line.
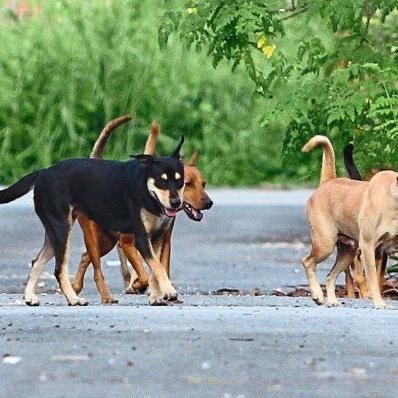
154 223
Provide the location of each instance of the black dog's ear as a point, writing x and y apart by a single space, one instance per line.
145 160
176 152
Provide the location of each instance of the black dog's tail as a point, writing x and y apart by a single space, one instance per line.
20 188
349 164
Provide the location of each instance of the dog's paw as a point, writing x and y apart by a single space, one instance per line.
319 300
31 300
169 292
108 300
157 301
79 301
131 290
333 303
382 305
140 285
171 296
76 287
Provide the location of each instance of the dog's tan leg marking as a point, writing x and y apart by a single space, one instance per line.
78 282
349 283
139 284
45 254
344 259
166 252
160 287
63 279
368 261
92 237
124 269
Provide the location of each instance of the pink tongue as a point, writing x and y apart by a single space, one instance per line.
170 213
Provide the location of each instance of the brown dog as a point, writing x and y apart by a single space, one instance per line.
361 210
99 243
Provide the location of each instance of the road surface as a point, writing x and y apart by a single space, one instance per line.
225 346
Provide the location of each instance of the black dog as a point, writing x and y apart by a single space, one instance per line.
140 196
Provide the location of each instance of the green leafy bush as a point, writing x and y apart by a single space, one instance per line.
325 67
74 65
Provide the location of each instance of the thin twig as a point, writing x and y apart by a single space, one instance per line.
295 13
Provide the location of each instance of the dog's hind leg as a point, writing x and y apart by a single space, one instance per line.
359 277
381 265
349 283
124 269
45 254
345 257
78 282
140 283
323 245
97 245
58 227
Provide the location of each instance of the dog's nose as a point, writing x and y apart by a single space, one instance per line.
208 203
175 203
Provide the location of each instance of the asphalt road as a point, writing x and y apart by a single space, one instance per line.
208 346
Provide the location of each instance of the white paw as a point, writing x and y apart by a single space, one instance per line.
333 303
156 301
31 300
78 301
381 305
169 293
319 299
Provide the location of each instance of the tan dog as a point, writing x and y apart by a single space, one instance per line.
364 211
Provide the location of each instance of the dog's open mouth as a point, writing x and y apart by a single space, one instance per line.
191 212
170 212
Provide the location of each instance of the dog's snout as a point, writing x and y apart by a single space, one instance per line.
208 203
175 203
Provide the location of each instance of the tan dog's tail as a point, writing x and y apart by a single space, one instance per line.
152 139
328 170
102 139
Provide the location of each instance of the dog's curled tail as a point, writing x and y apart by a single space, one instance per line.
152 139
102 139
20 188
328 160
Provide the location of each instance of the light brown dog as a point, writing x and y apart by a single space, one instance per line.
364 211
99 242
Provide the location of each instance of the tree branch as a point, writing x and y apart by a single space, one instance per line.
295 13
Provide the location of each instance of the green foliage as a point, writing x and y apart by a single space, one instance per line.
74 65
325 67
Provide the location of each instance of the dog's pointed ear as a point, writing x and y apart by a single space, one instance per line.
176 153
194 158
145 160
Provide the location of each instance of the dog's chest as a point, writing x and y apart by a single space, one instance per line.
154 224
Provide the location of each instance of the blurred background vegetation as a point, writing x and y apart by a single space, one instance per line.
247 82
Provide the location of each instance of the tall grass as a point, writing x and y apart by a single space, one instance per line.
69 69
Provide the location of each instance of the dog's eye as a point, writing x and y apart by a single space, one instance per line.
188 184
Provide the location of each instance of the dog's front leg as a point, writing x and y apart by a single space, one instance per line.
166 252
369 264
160 287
